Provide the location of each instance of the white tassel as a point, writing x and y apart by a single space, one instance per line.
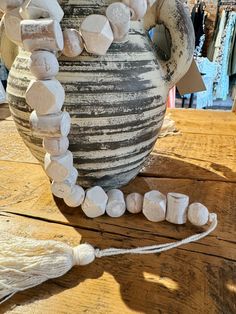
26 263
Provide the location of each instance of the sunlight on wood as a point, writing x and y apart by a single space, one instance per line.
231 286
164 281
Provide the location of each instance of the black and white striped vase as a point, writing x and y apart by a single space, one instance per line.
117 101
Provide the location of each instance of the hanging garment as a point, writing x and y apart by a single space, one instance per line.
211 48
221 86
232 55
209 72
198 19
219 34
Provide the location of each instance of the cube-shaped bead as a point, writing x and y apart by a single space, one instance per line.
58 168
35 9
95 202
45 97
154 206
97 34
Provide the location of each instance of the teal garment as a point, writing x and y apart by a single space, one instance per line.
208 70
232 63
221 85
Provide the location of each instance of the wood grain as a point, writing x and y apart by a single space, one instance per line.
205 121
196 278
178 281
194 156
28 193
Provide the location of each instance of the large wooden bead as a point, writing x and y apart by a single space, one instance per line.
42 34
56 146
43 65
58 168
12 23
73 43
76 198
138 8
134 203
45 97
8 5
95 202
118 15
177 205
97 34
154 206
35 9
198 214
52 125
64 189
116 203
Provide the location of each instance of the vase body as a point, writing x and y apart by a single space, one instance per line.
116 102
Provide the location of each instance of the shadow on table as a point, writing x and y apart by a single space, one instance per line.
147 284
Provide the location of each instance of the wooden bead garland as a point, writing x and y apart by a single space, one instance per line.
40 34
43 37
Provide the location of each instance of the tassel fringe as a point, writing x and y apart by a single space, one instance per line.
26 263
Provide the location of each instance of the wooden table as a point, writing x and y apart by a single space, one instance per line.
196 278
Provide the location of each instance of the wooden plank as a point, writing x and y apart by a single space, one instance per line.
177 281
25 190
12 145
204 121
194 156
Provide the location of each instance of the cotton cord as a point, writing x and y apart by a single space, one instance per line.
26 263
161 247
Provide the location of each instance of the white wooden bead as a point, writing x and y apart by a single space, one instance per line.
134 203
154 206
138 8
43 65
97 34
116 203
64 189
84 254
56 146
95 202
42 34
73 43
198 214
35 9
118 15
58 168
45 96
52 125
76 198
12 22
7 5
177 205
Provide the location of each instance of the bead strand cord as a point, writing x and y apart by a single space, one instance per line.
39 32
